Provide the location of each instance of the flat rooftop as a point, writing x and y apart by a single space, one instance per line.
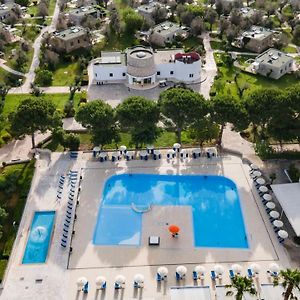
164 56
257 33
111 58
71 33
273 57
148 8
83 10
166 28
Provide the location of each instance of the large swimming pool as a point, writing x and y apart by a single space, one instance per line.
214 200
39 237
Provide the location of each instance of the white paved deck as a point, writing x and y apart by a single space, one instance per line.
59 274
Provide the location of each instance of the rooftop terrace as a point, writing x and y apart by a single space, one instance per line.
274 57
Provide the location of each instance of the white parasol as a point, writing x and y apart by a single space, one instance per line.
181 270
283 234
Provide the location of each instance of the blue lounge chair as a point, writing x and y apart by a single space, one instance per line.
250 273
69 207
117 286
68 217
63 245
63 240
69 212
178 277
65 230
158 277
231 274
103 286
58 196
213 275
195 275
65 236
85 288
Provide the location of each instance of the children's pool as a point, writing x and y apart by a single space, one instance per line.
39 237
214 200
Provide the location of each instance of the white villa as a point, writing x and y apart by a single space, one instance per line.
142 67
273 64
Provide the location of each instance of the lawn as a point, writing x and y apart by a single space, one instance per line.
289 49
166 139
12 101
15 183
114 42
225 83
65 74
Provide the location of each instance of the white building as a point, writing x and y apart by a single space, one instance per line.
273 64
146 10
142 67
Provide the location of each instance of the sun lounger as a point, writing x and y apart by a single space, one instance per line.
58 196
69 207
250 273
158 277
85 288
65 230
69 212
272 274
118 286
65 236
63 245
231 274
68 217
195 275
213 275
178 277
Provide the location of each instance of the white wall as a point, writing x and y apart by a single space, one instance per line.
100 73
183 71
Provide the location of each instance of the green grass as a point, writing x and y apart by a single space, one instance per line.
51 7
289 49
225 84
65 74
13 203
191 43
115 42
166 139
13 100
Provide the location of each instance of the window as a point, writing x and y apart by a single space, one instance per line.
71 44
95 74
171 72
158 73
111 75
78 41
124 74
191 75
281 71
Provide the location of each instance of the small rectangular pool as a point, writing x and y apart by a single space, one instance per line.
39 237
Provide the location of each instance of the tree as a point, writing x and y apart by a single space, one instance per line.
241 285
42 10
34 114
211 16
4 89
115 24
290 281
197 26
139 116
71 141
21 59
203 129
296 34
3 216
133 21
159 14
180 107
43 77
99 118
226 109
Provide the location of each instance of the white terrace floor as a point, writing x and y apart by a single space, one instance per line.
61 271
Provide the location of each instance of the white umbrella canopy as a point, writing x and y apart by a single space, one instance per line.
260 181
278 223
274 214
256 174
236 268
162 271
139 278
283 234
274 267
254 167
196 151
176 146
200 269
122 148
156 152
115 154
103 154
171 151
267 197
100 280
270 205
143 153
255 268
150 147
181 270
219 269
81 281
263 189
96 149
120 279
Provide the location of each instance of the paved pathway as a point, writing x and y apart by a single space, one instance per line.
25 88
8 69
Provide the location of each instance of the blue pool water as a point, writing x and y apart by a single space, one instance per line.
39 237
214 200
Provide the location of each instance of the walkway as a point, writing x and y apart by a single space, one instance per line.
10 70
25 88
210 67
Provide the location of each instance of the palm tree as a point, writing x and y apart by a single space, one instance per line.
241 285
290 280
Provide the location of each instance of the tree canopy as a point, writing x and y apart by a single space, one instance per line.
181 106
34 114
139 116
99 118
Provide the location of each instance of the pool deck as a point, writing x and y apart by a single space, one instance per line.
60 273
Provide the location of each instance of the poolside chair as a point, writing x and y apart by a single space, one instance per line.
70 207
118 286
63 240
58 196
231 274
68 217
63 245
178 277
85 288
158 277
250 273
195 275
273 274
65 236
213 275
65 230
69 212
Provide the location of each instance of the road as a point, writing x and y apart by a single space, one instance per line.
29 77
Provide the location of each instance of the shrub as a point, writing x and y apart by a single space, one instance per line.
6 137
69 109
71 141
43 77
294 173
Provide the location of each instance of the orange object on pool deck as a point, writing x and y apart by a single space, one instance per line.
174 229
